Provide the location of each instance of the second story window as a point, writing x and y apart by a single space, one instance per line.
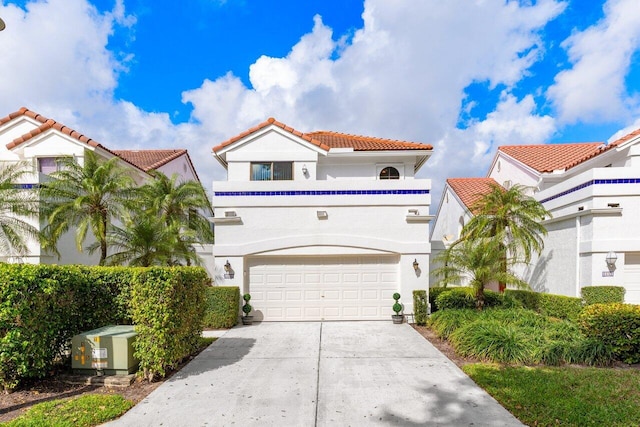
389 173
271 171
48 165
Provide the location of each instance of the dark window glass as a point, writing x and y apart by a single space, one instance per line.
272 171
389 173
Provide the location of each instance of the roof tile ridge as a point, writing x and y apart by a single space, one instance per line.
624 138
175 155
13 115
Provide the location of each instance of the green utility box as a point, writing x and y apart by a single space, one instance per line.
107 351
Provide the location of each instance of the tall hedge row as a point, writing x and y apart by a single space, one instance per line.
43 306
167 307
602 294
223 307
559 306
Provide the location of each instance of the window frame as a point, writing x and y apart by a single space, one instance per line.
272 171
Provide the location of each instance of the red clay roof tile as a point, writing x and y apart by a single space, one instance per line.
551 157
145 160
328 140
149 159
470 190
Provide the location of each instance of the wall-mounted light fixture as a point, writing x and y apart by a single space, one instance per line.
228 271
611 259
322 214
304 169
416 265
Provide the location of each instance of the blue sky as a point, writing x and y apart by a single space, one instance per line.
463 75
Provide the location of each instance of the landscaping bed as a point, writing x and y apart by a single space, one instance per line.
58 386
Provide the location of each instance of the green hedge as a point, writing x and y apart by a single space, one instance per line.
420 306
617 326
464 297
559 306
43 306
602 294
223 306
433 296
168 305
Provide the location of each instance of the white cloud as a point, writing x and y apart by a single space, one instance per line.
403 75
594 88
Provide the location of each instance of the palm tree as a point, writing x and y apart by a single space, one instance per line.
86 197
511 217
480 261
180 204
143 240
17 205
506 230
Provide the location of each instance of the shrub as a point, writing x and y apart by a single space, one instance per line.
464 297
445 322
456 298
433 295
494 341
168 306
43 306
223 306
602 294
616 326
420 307
529 300
560 306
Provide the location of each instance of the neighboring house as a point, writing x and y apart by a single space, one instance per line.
593 193
321 225
26 136
454 212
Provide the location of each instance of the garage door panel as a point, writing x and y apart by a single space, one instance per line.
323 288
632 278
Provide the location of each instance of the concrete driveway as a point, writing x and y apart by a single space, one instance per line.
319 374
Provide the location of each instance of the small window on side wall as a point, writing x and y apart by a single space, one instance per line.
389 173
47 165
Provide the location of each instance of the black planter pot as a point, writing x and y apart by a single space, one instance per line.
247 320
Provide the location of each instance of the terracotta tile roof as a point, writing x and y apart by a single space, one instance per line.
364 143
551 157
51 124
46 125
327 140
469 190
149 159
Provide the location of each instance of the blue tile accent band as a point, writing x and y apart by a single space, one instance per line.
593 182
25 186
315 193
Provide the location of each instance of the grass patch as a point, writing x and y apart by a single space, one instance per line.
88 410
565 396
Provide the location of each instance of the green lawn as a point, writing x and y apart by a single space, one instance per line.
567 396
84 411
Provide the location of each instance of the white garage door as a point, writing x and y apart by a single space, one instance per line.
323 288
632 278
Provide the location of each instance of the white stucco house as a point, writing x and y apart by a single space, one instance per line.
26 136
321 225
592 191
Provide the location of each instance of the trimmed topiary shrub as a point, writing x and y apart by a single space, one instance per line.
420 307
560 306
602 294
223 306
616 326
